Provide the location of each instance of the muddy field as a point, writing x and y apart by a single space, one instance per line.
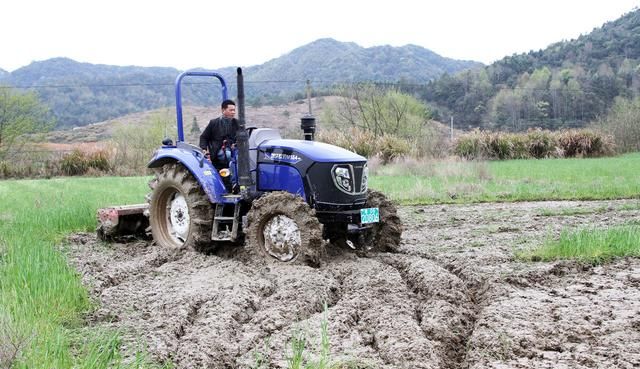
452 297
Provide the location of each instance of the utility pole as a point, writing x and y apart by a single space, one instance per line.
452 128
309 95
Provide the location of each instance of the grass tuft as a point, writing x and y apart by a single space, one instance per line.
595 246
299 359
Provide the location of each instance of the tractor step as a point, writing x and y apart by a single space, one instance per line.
125 220
224 218
221 231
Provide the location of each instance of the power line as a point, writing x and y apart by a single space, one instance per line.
586 89
133 84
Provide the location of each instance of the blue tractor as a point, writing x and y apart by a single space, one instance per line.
281 197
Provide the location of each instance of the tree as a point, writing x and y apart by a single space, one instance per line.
21 116
134 143
505 110
623 123
195 129
382 111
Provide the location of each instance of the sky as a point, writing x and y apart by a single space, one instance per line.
212 34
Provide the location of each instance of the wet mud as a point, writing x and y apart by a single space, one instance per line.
452 296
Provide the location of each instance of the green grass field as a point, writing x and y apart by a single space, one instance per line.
513 180
42 301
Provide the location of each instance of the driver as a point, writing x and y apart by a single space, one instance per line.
220 135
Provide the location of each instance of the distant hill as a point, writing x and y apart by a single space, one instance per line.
3 73
568 84
83 93
330 60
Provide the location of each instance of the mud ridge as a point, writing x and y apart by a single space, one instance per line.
447 306
189 319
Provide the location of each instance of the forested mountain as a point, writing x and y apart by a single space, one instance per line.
82 93
3 72
333 61
568 84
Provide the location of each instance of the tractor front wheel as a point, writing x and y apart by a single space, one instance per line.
386 234
283 227
180 213
382 236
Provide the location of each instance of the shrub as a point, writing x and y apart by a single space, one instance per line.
535 143
13 341
390 147
499 146
519 148
468 146
387 147
541 143
432 142
74 163
133 145
351 139
362 142
78 163
99 160
5 170
584 143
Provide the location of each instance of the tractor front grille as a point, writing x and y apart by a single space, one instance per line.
338 186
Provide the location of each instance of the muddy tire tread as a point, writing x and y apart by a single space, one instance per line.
313 248
176 176
387 233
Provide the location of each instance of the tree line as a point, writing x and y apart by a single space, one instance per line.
568 84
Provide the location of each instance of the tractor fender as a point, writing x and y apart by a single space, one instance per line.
191 157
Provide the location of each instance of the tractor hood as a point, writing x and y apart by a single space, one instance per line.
313 150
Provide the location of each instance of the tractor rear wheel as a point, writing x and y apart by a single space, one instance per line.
180 213
283 227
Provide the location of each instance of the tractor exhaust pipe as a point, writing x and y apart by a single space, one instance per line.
308 126
242 139
308 122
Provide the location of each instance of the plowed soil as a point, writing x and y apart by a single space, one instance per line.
453 296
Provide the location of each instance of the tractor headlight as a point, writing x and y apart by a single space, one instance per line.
342 178
365 179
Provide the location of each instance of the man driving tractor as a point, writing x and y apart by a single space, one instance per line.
219 137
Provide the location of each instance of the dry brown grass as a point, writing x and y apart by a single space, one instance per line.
535 143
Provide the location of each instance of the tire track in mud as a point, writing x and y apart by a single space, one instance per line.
447 304
375 319
452 297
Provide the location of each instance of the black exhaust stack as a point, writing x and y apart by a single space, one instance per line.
308 125
308 122
242 140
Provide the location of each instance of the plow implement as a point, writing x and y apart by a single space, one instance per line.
124 220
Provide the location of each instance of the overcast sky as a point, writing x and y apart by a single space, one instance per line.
211 34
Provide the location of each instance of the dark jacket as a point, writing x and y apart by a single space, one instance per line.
218 130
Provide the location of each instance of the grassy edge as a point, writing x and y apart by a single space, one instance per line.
42 299
588 245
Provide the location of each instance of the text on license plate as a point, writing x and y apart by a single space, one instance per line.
369 215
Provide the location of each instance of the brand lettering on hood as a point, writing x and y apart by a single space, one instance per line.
278 156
